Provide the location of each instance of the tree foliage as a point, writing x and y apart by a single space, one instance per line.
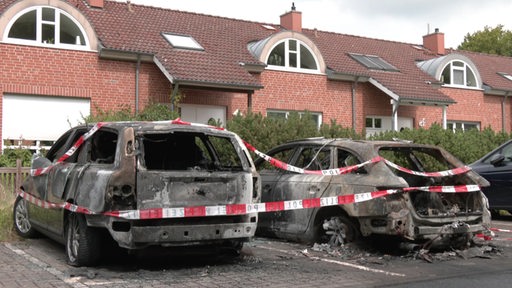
489 40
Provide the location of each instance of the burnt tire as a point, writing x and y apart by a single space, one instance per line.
21 221
83 243
337 230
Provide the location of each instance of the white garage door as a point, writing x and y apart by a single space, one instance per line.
38 118
203 113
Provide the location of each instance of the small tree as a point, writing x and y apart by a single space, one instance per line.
490 40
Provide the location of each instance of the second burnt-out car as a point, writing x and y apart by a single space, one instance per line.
161 167
415 216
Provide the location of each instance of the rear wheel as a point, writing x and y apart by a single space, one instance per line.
83 243
21 220
337 230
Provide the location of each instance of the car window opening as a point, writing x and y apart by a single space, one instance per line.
189 151
427 203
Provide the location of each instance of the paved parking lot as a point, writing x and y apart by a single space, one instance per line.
264 262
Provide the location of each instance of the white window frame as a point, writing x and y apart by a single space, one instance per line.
286 114
183 41
39 24
464 68
297 52
462 125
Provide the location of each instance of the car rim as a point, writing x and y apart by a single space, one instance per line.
22 221
337 231
73 238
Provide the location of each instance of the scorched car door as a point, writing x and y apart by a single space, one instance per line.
296 187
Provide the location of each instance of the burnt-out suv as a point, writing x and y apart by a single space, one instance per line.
415 210
140 181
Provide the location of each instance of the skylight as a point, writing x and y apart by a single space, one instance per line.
182 41
374 62
506 75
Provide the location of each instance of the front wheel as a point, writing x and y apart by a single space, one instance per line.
337 230
83 243
21 220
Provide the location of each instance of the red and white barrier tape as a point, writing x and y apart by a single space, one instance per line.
239 209
273 161
71 151
456 171
242 209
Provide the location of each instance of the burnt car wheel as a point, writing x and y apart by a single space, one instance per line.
82 242
22 224
337 230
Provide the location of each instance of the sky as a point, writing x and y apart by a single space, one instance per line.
395 20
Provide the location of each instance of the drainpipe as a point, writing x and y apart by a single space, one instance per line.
354 110
249 101
137 70
395 114
445 124
173 95
503 112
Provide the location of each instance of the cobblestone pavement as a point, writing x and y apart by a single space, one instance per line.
37 263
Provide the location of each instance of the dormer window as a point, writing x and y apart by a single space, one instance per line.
458 73
44 26
292 54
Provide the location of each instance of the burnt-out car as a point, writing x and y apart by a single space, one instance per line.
409 214
496 167
138 181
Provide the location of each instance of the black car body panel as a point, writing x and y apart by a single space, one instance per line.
496 167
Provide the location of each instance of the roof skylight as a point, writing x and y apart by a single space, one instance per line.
374 62
182 41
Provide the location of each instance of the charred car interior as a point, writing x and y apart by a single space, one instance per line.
138 166
415 216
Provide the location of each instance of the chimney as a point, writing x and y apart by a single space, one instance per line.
434 42
96 3
292 20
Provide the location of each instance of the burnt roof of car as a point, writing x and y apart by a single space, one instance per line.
342 141
142 126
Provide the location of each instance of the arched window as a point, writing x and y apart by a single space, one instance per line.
42 25
292 54
458 73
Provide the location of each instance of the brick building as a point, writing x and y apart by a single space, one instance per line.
62 60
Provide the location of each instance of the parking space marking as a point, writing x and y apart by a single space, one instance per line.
46 267
342 263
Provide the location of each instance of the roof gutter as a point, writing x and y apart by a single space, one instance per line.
113 54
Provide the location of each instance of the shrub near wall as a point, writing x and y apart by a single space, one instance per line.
264 133
467 146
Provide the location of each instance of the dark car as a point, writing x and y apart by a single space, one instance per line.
496 167
137 182
414 214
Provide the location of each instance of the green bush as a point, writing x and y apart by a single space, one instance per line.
9 156
467 146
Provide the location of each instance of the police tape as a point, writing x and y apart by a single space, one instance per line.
243 209
70 152
275 162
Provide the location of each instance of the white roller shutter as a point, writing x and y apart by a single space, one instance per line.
203 113
41 117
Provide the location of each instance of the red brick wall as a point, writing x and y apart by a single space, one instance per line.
58 72
298 91
472 105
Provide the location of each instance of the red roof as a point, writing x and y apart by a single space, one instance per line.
139 29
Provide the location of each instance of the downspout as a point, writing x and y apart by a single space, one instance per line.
395 114
354 110
249 101
137 70
173 95
445 122
503 112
